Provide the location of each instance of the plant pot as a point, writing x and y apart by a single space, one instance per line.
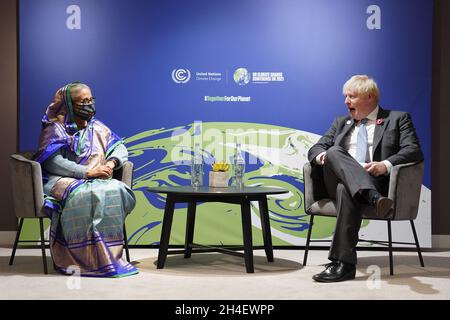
218 179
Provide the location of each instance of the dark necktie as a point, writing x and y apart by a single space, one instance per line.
361 142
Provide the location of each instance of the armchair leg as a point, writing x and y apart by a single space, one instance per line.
19 230
125 242
417 243
308 238
391 263
44 257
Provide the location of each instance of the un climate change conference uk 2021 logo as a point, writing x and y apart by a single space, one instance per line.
181 75
241 76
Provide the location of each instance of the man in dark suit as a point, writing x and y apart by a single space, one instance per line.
353 160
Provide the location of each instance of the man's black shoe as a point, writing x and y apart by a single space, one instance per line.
335 272
383 205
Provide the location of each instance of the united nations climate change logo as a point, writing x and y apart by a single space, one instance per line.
181 75
241 76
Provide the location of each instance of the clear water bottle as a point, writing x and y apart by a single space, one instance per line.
197 167
239 166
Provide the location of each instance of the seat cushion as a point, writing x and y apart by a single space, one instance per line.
324 207
327 207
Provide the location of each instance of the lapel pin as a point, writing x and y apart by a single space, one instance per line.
380 121
348 122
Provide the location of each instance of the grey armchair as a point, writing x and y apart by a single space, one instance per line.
28 196
404 189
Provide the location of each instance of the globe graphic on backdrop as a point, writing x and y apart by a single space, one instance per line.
241 76
274 158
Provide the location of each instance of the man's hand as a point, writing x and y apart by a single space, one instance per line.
102 172
376 168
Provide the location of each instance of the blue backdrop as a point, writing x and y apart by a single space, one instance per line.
129 51
126 51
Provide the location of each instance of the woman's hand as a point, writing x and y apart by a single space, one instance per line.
111 164
102 172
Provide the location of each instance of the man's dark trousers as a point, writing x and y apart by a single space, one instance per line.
344 178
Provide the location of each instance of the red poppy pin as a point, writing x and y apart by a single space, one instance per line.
380 121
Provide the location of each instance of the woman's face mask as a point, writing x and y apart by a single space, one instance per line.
84 111
83 103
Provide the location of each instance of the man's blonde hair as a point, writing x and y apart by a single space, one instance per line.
362 84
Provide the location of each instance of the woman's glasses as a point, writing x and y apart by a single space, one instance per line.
84 102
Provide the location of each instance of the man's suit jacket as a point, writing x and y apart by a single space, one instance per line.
395 138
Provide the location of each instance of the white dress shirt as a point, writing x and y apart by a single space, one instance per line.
351 138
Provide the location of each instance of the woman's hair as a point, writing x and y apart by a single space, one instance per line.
76 87
362 84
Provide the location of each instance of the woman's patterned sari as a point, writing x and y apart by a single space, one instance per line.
87 215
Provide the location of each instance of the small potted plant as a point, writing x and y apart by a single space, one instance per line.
218 177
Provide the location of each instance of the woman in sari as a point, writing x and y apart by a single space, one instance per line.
87 207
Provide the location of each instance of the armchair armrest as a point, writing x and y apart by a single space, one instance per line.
405 185
315 189
125 173
308 183
27 186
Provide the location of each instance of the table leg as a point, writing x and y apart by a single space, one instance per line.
247 235
165 231
265 224
190 222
